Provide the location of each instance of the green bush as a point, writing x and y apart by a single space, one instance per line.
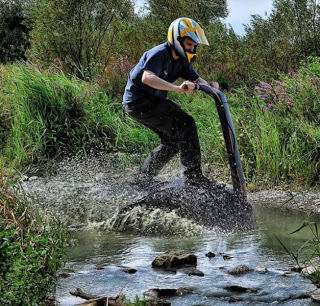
31 251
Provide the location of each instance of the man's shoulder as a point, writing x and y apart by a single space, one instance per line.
163 49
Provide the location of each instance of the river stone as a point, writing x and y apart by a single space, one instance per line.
158 302
174 259
238 270
191 271
129 270
234 299
241 289
166 293
311 267
157 296
210 255
315 296
261 269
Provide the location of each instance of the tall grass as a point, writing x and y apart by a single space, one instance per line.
48 114
282 140
45 114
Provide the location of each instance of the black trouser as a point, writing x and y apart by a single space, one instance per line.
177 131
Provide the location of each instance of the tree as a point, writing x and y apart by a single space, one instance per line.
14 33
290 34
203 11
80 33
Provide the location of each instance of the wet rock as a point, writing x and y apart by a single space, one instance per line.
166 293
241 289
287 274
191 271
99 267
226 257
315 296
261 269
238 270
210 255
157 296
297 268
129 270
158 302
312 267
234 299
174 259
64 275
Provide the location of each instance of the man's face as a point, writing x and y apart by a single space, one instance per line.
189 44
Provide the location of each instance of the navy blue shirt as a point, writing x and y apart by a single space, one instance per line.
158 60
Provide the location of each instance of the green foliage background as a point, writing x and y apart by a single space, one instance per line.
66 98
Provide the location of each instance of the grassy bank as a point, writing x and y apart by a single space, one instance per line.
31 250
44 114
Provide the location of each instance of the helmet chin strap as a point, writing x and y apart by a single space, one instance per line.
191 57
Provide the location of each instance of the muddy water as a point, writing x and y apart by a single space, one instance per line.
87 194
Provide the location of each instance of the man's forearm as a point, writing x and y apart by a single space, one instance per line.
152 80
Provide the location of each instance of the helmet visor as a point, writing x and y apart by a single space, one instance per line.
189 28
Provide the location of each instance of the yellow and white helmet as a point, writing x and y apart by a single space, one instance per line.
186 27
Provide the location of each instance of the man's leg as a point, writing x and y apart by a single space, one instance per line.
164 116
161 155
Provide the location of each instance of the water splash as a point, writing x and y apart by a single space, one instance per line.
91 192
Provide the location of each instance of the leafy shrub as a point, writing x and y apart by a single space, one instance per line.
114 77
31 250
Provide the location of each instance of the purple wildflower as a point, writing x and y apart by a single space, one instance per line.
265 85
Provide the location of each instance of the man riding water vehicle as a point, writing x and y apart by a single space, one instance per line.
145 100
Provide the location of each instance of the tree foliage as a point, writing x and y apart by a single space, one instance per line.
290 34
203 11
80 33
14 34
86 36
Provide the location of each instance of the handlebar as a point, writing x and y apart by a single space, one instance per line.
229 136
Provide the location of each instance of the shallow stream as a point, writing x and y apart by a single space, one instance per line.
96 264
86 195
